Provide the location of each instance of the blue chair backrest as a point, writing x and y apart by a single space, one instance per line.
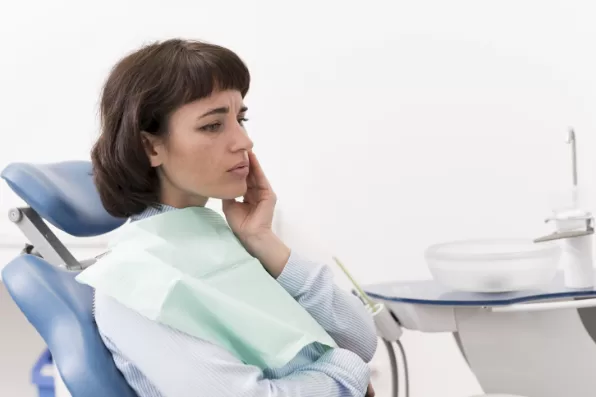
60 309
63 194
58 306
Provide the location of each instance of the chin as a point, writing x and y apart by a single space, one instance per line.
233 191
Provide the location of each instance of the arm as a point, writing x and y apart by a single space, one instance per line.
342 315
182 366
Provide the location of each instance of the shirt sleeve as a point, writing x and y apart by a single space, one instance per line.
179 365
340 313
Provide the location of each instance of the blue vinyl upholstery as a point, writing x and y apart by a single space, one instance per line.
63 194
60 309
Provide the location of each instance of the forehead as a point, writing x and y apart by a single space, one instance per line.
218 99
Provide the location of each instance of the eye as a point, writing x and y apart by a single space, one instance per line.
213 127
242 120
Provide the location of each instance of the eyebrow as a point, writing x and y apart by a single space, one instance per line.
221 110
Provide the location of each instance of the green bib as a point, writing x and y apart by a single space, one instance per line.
186 269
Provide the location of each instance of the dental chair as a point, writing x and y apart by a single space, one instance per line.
41 279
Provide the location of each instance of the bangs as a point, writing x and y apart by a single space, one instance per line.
188 72
202 73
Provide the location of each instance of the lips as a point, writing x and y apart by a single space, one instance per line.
240 166
240 170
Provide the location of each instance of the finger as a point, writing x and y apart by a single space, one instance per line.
227 204
249 197
250 179
260 180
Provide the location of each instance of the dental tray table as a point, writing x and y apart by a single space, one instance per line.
432 293
533 343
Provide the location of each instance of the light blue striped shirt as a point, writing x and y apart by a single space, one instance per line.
158 361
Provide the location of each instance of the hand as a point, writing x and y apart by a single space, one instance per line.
370 392
251 220
253 217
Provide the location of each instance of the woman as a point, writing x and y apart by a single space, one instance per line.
173 137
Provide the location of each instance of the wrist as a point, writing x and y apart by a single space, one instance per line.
270 250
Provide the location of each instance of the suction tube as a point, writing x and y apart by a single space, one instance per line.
395 370
388 329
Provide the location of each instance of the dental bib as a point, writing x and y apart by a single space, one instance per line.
186 269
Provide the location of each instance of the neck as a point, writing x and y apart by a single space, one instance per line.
174 196
184 202
178 199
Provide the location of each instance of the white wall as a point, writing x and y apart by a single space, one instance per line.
384 127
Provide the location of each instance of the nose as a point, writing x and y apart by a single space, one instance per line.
241 140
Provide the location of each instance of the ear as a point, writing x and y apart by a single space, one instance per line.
154 148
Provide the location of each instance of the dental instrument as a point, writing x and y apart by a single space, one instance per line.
388 330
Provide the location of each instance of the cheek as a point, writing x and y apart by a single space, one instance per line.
191 163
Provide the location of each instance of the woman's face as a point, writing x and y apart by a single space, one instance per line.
205 153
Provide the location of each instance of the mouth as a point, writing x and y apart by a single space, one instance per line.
241 165
240 169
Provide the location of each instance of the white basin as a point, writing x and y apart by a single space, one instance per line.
492 266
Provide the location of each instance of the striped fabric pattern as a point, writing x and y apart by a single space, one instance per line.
158 361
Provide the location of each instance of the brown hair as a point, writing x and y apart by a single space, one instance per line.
140 94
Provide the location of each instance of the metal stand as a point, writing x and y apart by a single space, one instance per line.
42 239
534 349
535 353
